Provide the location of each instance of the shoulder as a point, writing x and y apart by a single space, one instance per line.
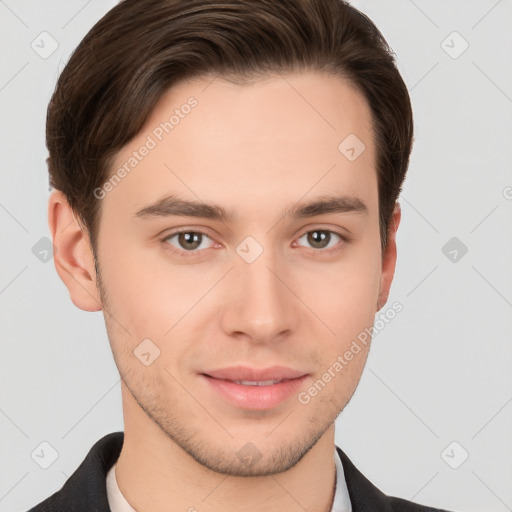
364 496
85 490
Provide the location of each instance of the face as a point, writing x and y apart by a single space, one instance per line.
250 285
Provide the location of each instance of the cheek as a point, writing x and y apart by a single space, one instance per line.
343 296
155 299
146 291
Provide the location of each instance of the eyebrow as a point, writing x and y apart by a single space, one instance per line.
174 206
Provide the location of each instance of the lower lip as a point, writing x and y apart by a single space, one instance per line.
255 397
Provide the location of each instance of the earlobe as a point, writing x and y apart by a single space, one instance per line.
389 259
73 257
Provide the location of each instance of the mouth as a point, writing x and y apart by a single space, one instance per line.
255 389
259 382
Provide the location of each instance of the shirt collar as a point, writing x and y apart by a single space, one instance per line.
341 501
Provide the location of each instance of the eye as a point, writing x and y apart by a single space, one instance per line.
323 239
187 241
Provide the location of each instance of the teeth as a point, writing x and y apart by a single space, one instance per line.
257 382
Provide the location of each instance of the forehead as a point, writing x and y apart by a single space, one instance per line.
279 111
278 137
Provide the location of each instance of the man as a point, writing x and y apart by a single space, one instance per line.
226 178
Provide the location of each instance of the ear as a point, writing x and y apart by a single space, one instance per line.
73 258
389 258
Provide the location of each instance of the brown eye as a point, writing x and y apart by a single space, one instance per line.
187 241
321 239
190 240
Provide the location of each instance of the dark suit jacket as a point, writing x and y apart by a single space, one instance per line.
86 490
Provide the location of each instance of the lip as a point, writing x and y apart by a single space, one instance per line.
252 396
255 374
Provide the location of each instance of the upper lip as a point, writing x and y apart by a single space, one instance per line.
255 374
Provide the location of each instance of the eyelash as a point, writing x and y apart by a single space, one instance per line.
195 253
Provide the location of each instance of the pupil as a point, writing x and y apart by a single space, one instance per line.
193 240
317 238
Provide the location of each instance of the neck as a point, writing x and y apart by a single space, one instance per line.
153 472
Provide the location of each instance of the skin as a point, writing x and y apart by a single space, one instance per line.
254 150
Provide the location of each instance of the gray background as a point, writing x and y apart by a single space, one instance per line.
439 373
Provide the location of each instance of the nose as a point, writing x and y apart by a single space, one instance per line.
260 303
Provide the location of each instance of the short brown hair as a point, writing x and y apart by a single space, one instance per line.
140 48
